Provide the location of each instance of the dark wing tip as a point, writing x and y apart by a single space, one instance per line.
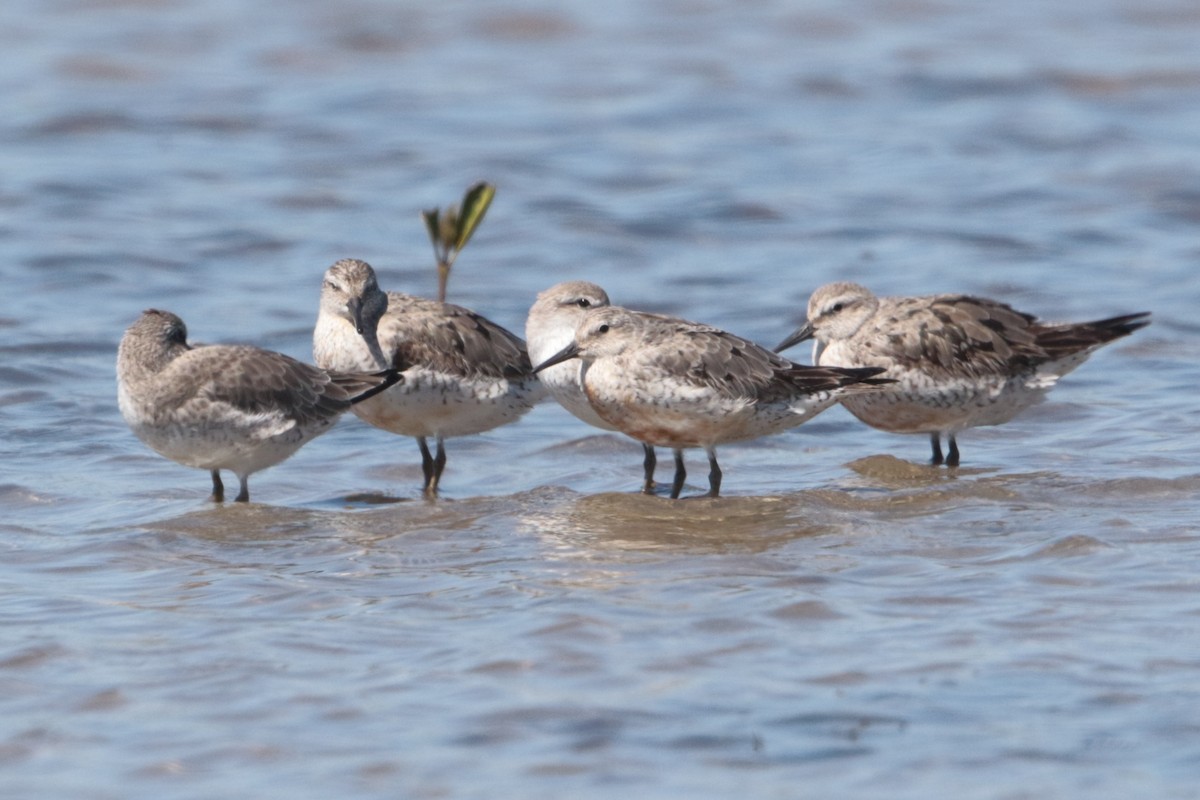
1059 340
1127 323
828 379
865 375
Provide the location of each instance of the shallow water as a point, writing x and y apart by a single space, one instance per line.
845 622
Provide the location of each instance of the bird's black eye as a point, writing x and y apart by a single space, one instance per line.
837 307
602 329
583 302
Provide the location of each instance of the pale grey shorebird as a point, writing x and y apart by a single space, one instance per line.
463 374
549 328
233 407
958 361
672 383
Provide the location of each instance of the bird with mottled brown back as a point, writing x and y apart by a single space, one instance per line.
668 382
231 407
958 361
463 374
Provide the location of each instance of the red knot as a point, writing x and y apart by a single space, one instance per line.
463 374
958 361
231 407
671 383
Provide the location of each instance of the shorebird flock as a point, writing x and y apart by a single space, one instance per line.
934 365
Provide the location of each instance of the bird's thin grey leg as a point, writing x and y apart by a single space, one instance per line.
649 463
427 466
714 473
935 439
680 475
439 464
952 458
218 495
244 493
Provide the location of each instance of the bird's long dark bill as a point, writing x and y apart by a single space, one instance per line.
566 354
354 306
390 378
803 333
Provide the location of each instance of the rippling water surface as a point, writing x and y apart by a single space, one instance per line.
846 622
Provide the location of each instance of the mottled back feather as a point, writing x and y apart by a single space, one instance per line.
955 335
737 368
258 381
962 336
450 339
